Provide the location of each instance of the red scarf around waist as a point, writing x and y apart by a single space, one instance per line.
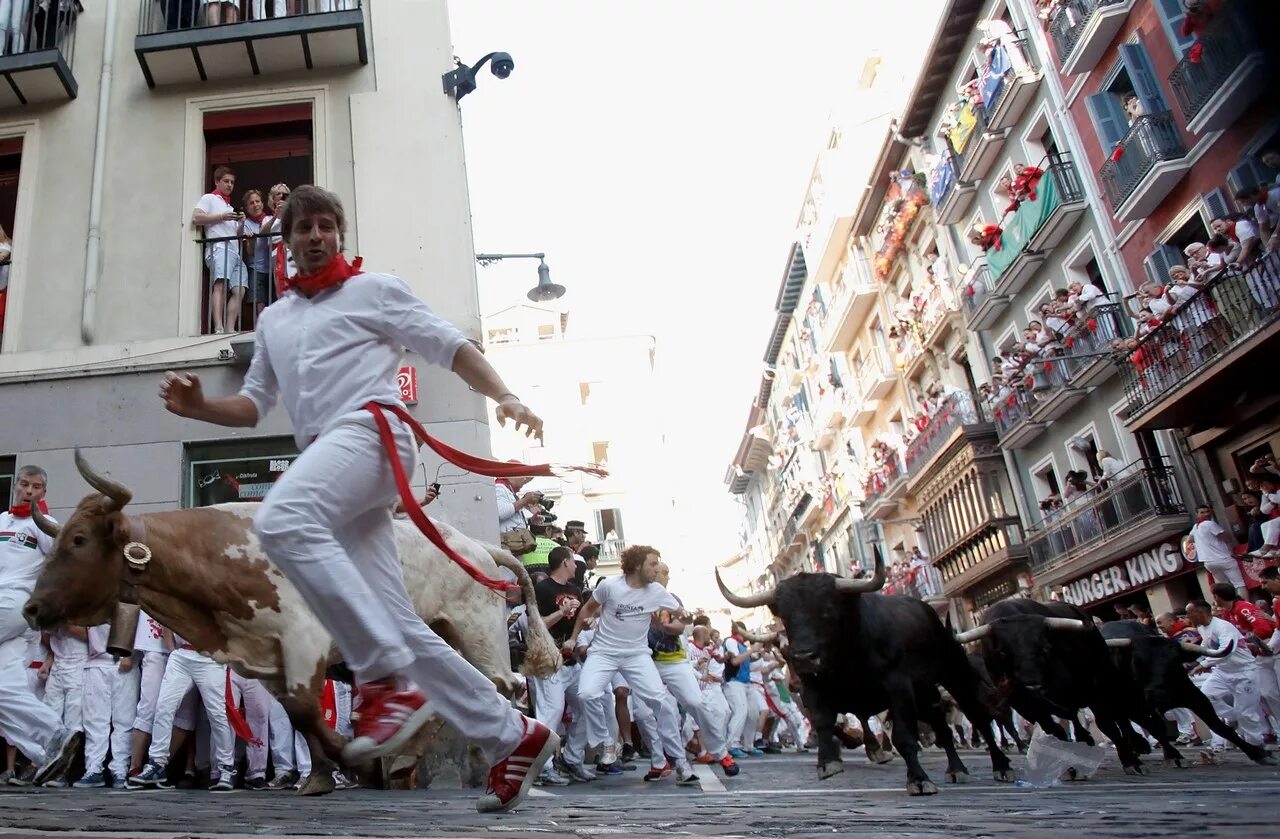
23 510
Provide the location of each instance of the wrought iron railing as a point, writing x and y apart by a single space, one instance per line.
1095 330
238 282
611 550
1220 49
44 27
1070 21
1020 61
880 480
1011 411
1152 138
1137 493
156 16
1230 308
975 291
956 410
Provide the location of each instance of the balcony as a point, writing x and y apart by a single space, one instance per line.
978 153
1215 91
950 197
855 297
983 308
884 488
994 548
1013 420
1082 30
958 413
1088 344
831 413
1151 160
1009 84
37 59
1055 391
1038 225
862 411
611 551
233 295
877 375
1134 508
1203 365
178 43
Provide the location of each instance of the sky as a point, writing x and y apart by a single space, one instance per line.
658 152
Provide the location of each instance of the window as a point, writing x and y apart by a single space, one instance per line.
1171 14
264 147
1195 228
600 453
609 524
546 331
8 467
1134 76
1250 172
584 391
1045 481
10 165
219 473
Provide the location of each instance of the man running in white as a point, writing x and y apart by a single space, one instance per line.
330 346
26 722
626 606
678 675
1230 685
110 706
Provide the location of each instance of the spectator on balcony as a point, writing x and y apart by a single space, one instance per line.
1253 202
1214 550
262 9
1084 297
6 255
255 228
1133 107
179 14
218 12
1110 466
1242 237
1250 501
51 19
228 275
13 14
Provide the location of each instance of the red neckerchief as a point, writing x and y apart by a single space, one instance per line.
503 482
23 510
258 218
337 272
220 197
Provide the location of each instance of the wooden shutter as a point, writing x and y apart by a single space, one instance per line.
1216 203
1143 76
1172 13
1109 119
1159 261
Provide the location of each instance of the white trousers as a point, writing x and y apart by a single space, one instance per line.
1185 720
289 750
149 689
791 715
335 543
1234 696
64 692
1226 572
647 722
184 670
553 695
642 678
111 703
742 724
712 717
257 713
1266 676
25 721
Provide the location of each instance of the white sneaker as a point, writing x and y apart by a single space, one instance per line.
223 784
341 781
550 777
610 755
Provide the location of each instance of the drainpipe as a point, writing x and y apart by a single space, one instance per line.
93 247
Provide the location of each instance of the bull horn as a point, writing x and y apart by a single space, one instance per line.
751 601
1067 623
976 634
766 638
1119 642
117 494
1199 650
876 582
46 525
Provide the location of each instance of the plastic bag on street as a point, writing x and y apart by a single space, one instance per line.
1048 757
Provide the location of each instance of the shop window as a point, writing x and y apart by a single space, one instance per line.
220 473
263 147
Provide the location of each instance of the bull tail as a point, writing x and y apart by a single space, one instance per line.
542 657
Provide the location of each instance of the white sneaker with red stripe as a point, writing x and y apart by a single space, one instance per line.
386 718
510 779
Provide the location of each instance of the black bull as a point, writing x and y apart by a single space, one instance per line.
856 651
1155 664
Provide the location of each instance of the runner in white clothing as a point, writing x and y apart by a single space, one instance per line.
1230 685
110 706
26 722
626 606
330 347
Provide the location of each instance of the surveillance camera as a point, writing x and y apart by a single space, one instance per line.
502 65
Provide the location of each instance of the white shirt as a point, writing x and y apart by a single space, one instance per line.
213 204
150 635
23 547
1217 634
1209 547
1245 230
509 518
625 615
98 655
67 650
330 354
1088 294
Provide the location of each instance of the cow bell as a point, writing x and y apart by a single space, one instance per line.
124 627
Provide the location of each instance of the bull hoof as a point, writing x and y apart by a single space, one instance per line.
1265 760
1175 762
921 788
1136 769
830 770
1004 776
318 783
957 777
1071 774
880 758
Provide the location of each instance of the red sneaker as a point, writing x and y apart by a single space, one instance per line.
510 779
704 758
657 773
385 718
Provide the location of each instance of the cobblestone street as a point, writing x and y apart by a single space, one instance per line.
774 796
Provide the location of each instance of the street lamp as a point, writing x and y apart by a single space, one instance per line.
545 291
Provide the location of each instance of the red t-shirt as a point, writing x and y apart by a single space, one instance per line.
1247 618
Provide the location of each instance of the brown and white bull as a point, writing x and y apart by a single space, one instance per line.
209 581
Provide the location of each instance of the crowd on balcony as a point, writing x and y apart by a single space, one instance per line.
913 577
1077 321
927 302
185 14
1223 287
35 24
883 464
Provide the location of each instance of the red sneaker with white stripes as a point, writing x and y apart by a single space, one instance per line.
385 717
510 779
